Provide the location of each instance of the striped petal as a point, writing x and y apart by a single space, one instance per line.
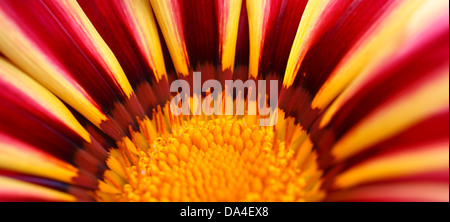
396 192
392 118
272 26
410 161
388 129
407 90
51 136
405 21
22 158
200 32
129 28
339 27
327 32
302 39
36 98
56 44
168 15
41 172
18 190
367 81
423 135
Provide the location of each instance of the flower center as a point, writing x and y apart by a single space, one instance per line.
215 159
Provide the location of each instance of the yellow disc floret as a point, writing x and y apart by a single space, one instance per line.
215 159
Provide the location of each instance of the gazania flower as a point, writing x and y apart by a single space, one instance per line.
86 112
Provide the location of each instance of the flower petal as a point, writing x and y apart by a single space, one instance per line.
81 194
396 116
200 32
432 42
403 92
427 158
55 43
431 131
26 101
228 18
405 21
170 21
17 190
302 39
256 11
341 25
20 157
280 37
242 43
33 115
271 32
16 84
395 192
129 28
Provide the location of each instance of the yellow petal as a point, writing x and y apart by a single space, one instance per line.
256 10
169 19
228 31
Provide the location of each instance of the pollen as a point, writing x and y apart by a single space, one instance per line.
221 158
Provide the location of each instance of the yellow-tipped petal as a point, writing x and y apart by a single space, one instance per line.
169 19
